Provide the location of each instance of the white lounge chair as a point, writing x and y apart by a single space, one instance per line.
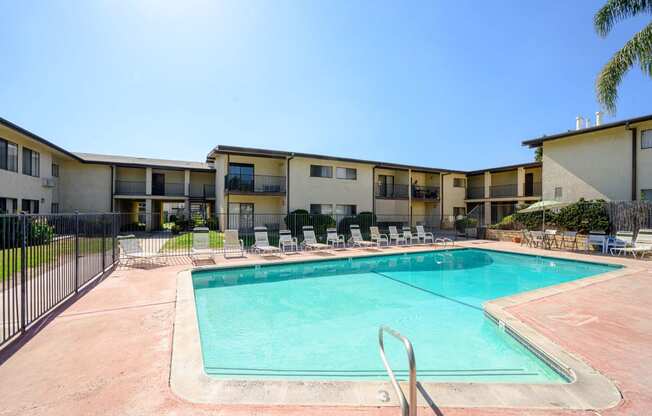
201 242
597 238
232 244
131 250
377 237
334 239
357 240
395 236
261 243
424 236
622 240
409 237
310 240
642 245
286 242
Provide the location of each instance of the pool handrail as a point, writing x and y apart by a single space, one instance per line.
407 408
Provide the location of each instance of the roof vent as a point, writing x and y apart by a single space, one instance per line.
579 120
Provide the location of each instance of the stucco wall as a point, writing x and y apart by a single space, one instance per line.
504 178
268 205
85 187
306 190
644 161
592 166
452 196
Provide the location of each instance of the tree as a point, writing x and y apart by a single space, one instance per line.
538 154
637 50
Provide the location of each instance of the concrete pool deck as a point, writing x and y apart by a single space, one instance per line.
110 352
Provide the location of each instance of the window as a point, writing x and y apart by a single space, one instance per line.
346 173
326 209
558 192
345 210
29 206
319 171
385 186
55 170
8 205
646 139
459 183
646 194
54 208
31 162
457 211
8 156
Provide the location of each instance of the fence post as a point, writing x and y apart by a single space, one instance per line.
76 251
23 273
113 236
103 243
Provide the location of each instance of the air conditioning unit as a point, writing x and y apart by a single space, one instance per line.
49 182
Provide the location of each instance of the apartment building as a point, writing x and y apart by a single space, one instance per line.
497 192
607 161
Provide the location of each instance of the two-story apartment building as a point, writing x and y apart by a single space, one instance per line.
608 161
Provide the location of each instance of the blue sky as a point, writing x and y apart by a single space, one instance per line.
446 84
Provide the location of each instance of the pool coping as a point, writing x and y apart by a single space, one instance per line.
588 388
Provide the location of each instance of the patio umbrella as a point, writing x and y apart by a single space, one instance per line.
543 206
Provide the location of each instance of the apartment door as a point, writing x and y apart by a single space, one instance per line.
385 186
158 184
529 184
241 216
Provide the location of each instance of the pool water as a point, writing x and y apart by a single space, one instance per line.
319 320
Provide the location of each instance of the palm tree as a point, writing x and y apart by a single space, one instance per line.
637 50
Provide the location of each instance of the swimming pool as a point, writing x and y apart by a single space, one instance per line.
319 320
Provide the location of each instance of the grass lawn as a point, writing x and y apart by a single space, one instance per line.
47 253
184 241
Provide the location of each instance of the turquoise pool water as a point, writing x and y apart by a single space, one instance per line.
319 320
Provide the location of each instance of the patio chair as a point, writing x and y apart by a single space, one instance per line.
131 250
232 244
334 239
261 244
377 237
395 236
286 242
409 238
424 236
357 240
444 241
622 240
526 238
596 238
551 238
201 242
310 240
569 237
642 245
537 238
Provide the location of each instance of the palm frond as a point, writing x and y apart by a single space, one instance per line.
638 50
616 10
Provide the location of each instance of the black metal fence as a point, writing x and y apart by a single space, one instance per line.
45 259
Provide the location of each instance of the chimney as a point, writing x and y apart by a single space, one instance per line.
578 122
598 118
588 122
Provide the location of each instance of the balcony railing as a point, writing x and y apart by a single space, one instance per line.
533 190
425 193
396 191
201 190
255 184
503 191
169 189
475 192
130 187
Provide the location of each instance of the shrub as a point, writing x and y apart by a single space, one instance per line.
507 223
300 217
212 223
175 229
40 233
584 216
462 224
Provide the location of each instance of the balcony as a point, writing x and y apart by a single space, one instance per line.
475 192
532 189
168 189
396 191
130 187
425 193
200 190
254 184
503 191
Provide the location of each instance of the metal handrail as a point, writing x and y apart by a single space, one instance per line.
407 409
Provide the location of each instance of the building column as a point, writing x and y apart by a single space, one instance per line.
186 183
148 181
487 213
186 208
520 184
149 214
487 184
410 196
